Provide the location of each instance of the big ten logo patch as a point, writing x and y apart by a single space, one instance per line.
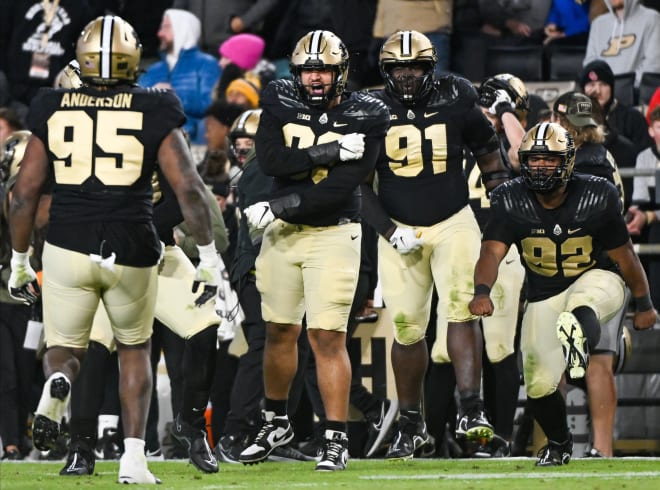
370 348
617 44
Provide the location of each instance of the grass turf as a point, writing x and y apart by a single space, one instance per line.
509 474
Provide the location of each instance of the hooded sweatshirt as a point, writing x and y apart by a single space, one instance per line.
191 72
628 44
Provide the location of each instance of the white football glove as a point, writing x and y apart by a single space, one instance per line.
23 285
501 97
207 272
259 215
406 240
351 147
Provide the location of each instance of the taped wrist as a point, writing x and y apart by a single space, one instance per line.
502 108
643 303
325 153
208 253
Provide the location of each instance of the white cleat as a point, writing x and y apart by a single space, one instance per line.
133 469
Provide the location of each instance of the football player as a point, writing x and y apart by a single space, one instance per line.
573 111
319 143
504 101
101 143
572 237
429 236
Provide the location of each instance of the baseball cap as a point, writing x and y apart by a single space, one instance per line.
576 107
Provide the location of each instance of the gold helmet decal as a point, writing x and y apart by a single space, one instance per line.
548 139
320 50
108 51
13 150
407 48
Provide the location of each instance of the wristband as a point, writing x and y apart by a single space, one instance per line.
19 258
643 303
207 253
481 289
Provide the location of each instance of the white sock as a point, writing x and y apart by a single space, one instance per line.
133 445
107 422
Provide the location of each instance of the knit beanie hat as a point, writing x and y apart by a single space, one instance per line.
597 70
247 88
244 50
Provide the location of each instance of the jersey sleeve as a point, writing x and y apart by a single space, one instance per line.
499 226
612 232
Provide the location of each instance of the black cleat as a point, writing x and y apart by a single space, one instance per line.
52 407
410 437
555 453
79 462
475 426
230 446
378 425
194 439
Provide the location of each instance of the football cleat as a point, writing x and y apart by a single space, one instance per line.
574 344
378 425
410 437
334 454
80 460
229 447
194 439
555 453
133 469
288 454
275 431
52 407
474 426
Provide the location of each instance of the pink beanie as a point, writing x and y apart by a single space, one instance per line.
244 50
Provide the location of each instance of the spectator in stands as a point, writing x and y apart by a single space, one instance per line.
568 23
184 69
644 212
223 18
240 55
514 22
431 18
38 39
597 79
9 122
244 92
627 37
653 103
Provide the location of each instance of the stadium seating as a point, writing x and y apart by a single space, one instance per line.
565 62
525 62
624 88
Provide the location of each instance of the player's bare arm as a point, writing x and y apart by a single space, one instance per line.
27 193
493 171
635 277
485 275
176 163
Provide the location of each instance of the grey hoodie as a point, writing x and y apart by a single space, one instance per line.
631 43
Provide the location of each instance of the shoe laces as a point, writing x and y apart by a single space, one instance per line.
263 432
332 451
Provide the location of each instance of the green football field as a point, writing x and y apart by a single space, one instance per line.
438 474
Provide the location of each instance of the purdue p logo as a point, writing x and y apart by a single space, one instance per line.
618 43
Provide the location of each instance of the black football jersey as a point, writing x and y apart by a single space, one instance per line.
479 202
102 147
420 169
557 245
328 194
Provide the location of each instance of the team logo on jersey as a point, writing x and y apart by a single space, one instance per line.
304 117
393 117
323 119
411 114
557 230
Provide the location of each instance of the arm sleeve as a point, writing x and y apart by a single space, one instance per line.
373 212
275 158
338 185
